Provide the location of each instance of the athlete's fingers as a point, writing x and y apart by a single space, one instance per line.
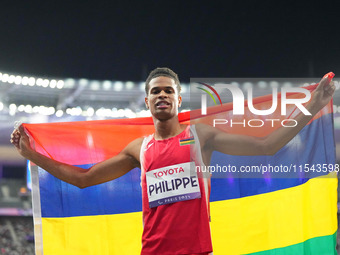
21 131
329 75
330 89
326 83
15 136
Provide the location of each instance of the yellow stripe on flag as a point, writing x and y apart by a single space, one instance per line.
275 219
84 235
239 226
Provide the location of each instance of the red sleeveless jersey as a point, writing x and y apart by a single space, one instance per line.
180 227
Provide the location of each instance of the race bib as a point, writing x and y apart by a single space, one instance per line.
172 184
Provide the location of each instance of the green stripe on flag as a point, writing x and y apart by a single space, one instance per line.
323 245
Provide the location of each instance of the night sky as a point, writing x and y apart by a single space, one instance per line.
124 41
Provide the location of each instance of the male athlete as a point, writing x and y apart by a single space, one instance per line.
180 225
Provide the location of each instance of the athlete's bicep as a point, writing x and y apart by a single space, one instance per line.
213 139
235 144
116 166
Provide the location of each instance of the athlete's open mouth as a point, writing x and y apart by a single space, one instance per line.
162 104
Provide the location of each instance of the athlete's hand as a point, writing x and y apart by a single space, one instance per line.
21 141
324 91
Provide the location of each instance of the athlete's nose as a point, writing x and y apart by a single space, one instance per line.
162 94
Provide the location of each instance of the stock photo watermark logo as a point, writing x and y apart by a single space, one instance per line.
238 102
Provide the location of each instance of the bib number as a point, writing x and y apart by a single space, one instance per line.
172 184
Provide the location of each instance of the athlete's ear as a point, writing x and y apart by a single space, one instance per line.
179 101
146 103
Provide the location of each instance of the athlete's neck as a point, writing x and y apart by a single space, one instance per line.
167 128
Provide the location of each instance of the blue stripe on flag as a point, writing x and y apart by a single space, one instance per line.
60 199
313 145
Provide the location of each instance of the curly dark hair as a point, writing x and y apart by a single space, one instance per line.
162 71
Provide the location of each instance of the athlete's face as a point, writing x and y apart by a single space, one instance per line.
163 99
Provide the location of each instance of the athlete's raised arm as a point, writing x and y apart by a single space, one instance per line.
105 171
214 139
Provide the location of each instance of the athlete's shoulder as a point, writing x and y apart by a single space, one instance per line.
138 141
205 133
202 128
133 148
